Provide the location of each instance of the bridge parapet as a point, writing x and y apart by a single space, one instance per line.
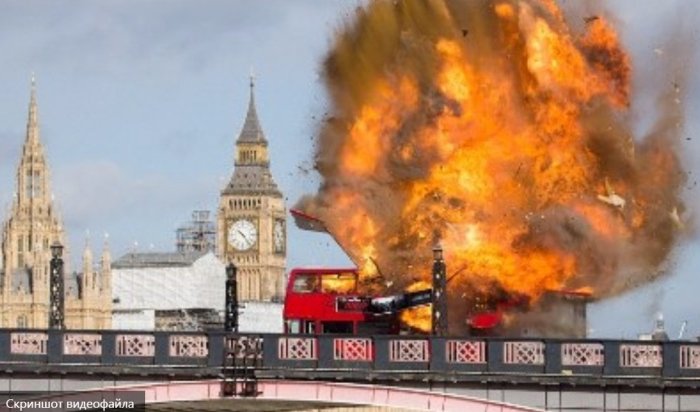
418 354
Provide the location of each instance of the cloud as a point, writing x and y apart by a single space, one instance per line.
90 189
118 36
100 196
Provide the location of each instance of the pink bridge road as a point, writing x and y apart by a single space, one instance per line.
284 394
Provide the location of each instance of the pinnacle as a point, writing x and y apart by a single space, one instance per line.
252 131
32 120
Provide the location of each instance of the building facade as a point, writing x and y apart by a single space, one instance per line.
27 234
180 291
168 291
251 224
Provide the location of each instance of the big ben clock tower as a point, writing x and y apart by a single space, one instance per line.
251 228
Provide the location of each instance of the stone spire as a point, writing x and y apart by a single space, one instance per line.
106 256
251 173
32 225
32 175
87 262
32 120
252 131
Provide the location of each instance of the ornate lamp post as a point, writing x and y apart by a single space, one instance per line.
439 295
56 296
231 310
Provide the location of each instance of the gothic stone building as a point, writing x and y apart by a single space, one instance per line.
251 225
32 226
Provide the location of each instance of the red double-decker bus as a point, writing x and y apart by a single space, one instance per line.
322 301
310 305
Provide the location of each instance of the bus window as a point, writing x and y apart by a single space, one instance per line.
293 326
336 327
296 326
340 283
305 284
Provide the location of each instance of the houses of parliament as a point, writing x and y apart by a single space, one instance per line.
32 226
250 233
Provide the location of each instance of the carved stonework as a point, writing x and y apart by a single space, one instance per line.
136 345
82 344
690 357
353 349
245 346
466 351
188 346
582 354
297 348
641 356
28 343
523 353
409 350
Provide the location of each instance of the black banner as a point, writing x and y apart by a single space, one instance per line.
106 400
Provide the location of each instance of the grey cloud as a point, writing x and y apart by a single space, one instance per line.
116 35
102 197
89 191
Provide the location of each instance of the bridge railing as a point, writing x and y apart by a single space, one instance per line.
494 355
444 355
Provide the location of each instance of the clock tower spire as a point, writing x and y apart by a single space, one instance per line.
251 228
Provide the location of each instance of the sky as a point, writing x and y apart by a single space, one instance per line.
140 103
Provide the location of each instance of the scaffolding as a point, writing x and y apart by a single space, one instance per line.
198 235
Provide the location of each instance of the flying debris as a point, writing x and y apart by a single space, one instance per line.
590 19
681 333
308 222
659 51
611 197
303 170
676 218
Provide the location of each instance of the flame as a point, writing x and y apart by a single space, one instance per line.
419 317
584 290
503 141
340 283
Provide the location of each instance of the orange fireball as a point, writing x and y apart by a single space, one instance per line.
496 129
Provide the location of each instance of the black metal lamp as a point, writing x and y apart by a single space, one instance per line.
437 252
231 309
439 317
56 296
56 250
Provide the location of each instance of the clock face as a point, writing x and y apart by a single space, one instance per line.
242 234
278 236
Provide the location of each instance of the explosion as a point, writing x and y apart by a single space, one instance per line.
498 130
